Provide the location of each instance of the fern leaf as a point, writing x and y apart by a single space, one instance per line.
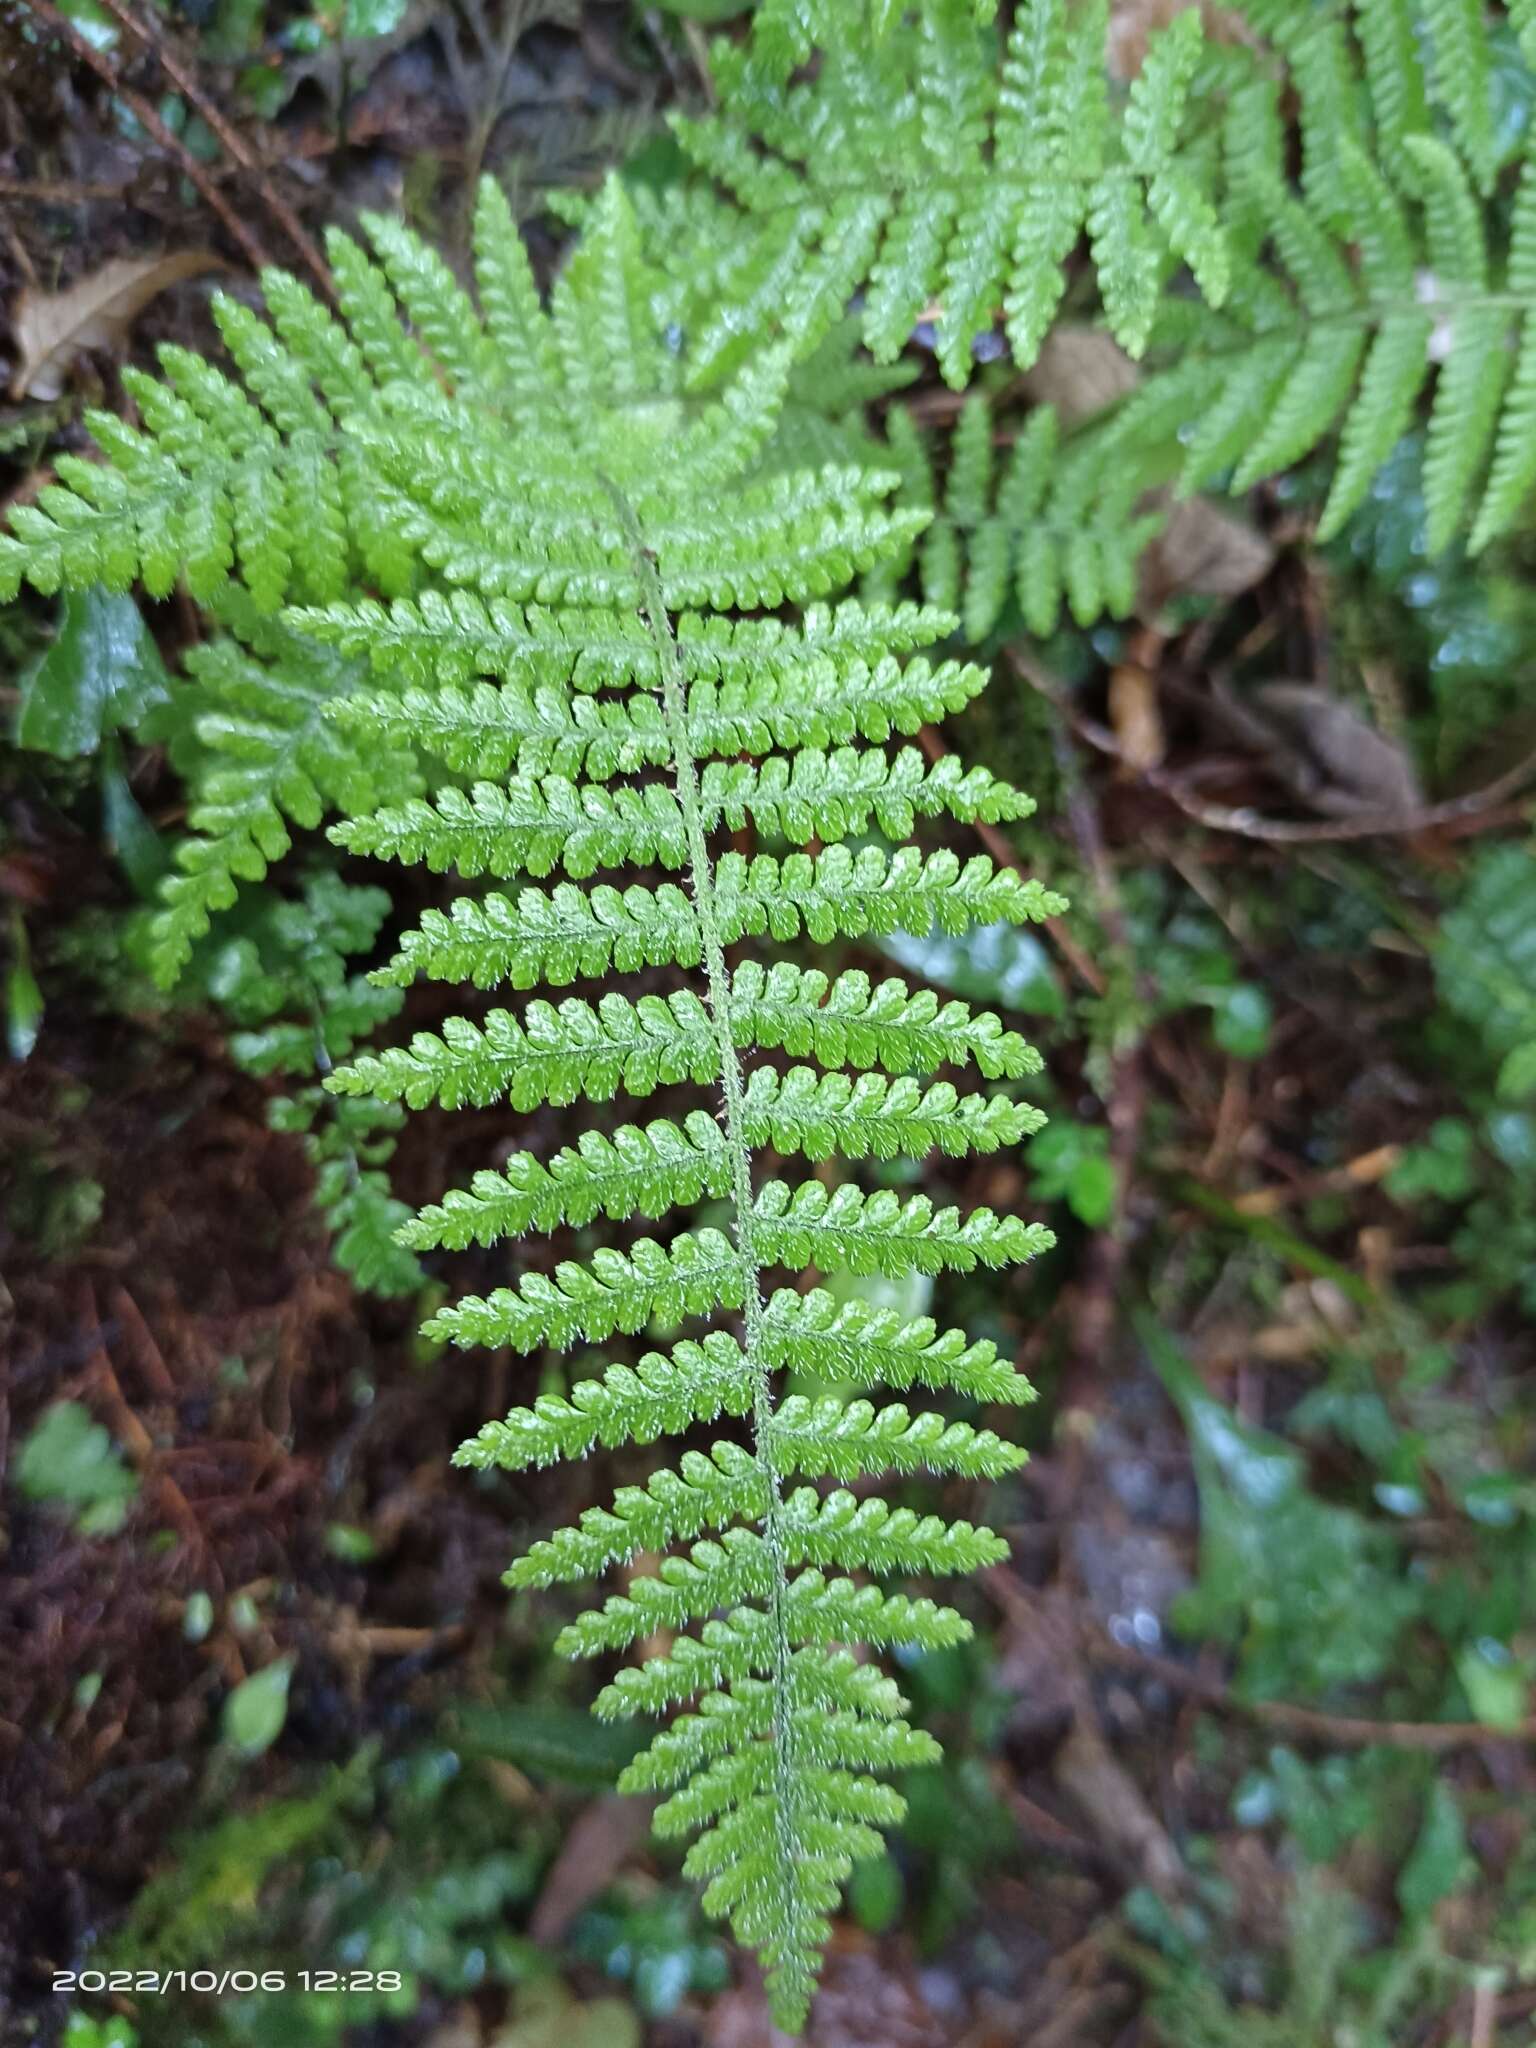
558 1055
661 1395
1394 71
515 323
820 1115
840 1528
1314 389
694 1275
1129 265
551 545
271 759
1459 34
943 165
827 1340
1393 376
1513 470
715 1492
848 1440
635 1171
568 934
845 1230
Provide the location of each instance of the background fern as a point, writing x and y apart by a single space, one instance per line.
957 173
943 162
1021 525
571 613
1392 270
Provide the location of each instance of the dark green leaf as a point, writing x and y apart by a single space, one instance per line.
1439 1860
554 1742
134 840
102 671
1241 1019
1496 1688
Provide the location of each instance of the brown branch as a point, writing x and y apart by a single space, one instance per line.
151 1358
1250 824
98 61
231 141
137 1441
1345 1731
1085 1766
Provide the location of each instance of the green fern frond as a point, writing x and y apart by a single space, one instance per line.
558 1055
1379 287
578 524
523 826
848 1231
263 758
816 1335
960 167
568 933
285 983
369 446
1055 527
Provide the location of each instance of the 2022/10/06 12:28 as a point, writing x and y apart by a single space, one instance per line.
224 1982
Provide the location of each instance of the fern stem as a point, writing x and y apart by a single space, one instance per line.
674 701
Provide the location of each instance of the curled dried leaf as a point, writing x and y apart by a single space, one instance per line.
52 328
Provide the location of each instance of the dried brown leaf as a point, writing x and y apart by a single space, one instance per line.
593 1853
51 328
1136 717
1358 769
1080 370
1132 22
1201 549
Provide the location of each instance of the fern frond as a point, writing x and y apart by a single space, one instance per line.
825 1339
570 933
487 730
1513 469
575 523
714 1492
659 1396
851 1439
525 826
558 1055
728 1721
692 1276
1380 287
267 759
846 1230
839 1528
972 167
632 1172
1053 528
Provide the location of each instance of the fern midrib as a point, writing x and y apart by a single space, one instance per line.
786 1775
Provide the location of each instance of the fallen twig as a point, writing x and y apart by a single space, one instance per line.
1250 824
99 62
230 140
1349 1731
140 1445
